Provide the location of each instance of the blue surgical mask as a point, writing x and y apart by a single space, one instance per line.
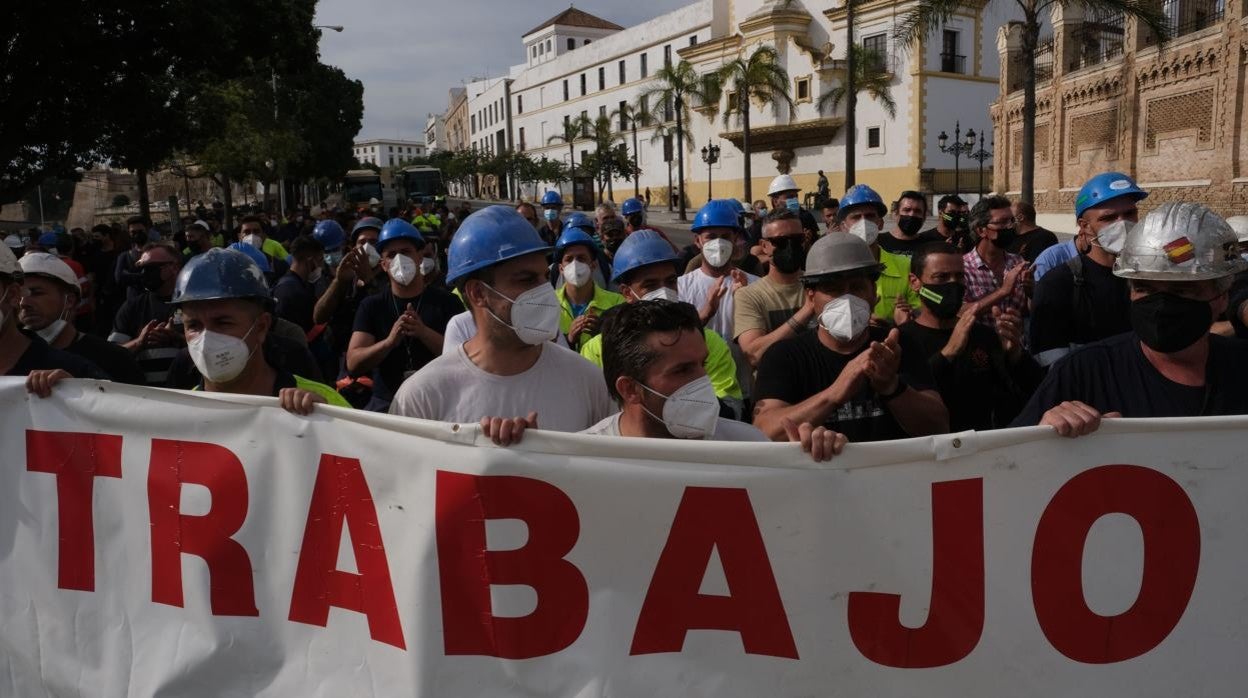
550 214
793 205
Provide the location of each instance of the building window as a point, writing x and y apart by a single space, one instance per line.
571 44
873 137
668 110
519 104
565 90
582 84
392 149
667 56
602 78
693 40
549 46
622 79
602 112
584 124
644 70
522 139
623 112
567 121
474 123
541 49
586 43
801 89
950 60
876 47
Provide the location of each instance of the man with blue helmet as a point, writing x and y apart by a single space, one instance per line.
711 286
552 207
1081 301
582 301
861 214
510 375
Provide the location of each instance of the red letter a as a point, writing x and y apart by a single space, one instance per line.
955 619
467 569
341 494
1171 558
76 460
711 519
208 536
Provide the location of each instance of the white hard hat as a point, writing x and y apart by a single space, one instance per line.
373 201
782 183
1180 242
44 264
1240 225
8 263
14 242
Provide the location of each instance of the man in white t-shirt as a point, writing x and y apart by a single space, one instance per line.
652 361
508 376
710 288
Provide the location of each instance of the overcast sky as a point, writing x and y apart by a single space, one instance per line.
409 54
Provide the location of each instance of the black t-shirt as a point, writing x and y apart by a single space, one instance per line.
888 243
1059 319
1030 245
961 239
981 388
1113 375
131 318
1237 297
794 369
40 357
295 299
377 315
114 359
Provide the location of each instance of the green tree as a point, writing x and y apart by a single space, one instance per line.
928 16
870 75
678 85
573 130
329 109
635 115
760 78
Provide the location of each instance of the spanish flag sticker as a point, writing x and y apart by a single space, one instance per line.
1180 250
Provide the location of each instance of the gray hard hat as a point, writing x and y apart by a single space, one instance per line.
839 252
1180 242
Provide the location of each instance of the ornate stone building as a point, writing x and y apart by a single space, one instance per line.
1108 98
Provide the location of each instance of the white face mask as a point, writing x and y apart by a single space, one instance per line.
1111 237
374 257
690 412
53 330
316 274
534 314
427 266
220 358
846 317
402 269
717 252
576 273
661 293
254 240
865 230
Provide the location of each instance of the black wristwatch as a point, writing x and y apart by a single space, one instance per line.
901 388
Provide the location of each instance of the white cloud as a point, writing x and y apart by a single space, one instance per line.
409 54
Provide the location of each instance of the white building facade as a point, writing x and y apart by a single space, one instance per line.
435 133
576 64
388 153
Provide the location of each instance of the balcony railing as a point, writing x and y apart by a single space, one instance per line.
1097 41
952 63
1187 16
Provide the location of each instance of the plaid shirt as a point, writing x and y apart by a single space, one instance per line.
981 281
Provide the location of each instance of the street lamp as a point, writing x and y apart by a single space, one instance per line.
981 155
332 27
959 148
710 155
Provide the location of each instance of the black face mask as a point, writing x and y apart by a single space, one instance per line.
612 245
943 300
790 254
956 221
138 239
152 280
1168 323
1005 238
909 225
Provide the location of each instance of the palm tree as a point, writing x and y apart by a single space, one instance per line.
871 75
638 114
676 85
928 16
573 130
602 133
760 78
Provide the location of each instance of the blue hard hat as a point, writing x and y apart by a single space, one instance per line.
631 206
492 235
640 249
219 274
861 194
257 256
1102 188
718 213
329 234
552 198
47 239
573 236
397 228
366 222
576 219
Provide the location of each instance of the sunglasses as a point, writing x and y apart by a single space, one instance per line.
783 241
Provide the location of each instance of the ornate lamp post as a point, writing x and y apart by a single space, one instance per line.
710 155
981 155
958 149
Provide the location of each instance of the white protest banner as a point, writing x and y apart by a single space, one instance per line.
165 543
